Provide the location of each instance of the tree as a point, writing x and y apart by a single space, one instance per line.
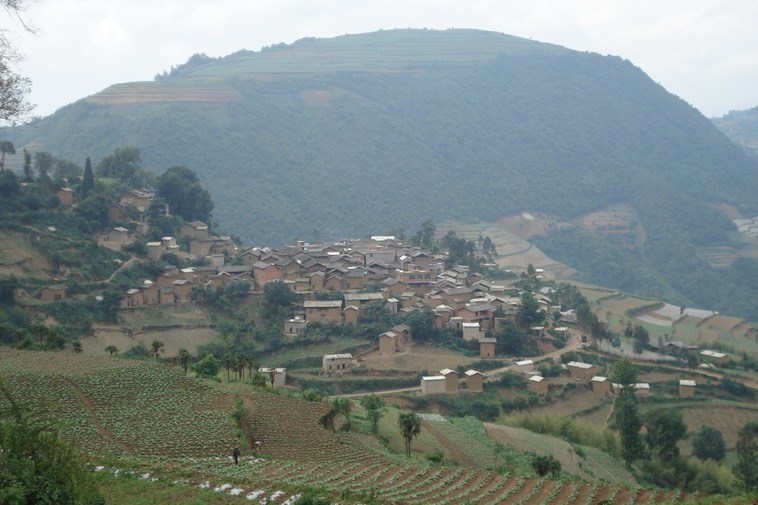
665 427
510 340
13 88
180 188
43 162
88 180
278 294
184 357
746 469
530 312
28 174
35 465
111 349
156 347
547 464
6 147
628 423
425 235
374 406
410 427
625 375
76 346
122 164
66 169
708 443
207 367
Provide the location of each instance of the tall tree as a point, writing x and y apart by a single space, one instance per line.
530 312
746 469
184 357
14 88
625 375
43 162
628 423
88 180
28 174
410 427
6 147
180 188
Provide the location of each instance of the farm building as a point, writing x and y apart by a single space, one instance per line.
642 389
686 388
333 362
538 385
451 380
487 347
350 314
537 330
154 250
66 196
581 371
719 358
397 339
432 385
472 331
294 326
53 293
601 386
525 366
474 381
561 331
133 298
277 375
118 234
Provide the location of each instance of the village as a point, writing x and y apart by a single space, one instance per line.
360 275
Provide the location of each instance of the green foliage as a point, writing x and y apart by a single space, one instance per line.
511 341
374 406
180 188
410 427
736 388
625 374
278 294
746 469
665 428
546 464
36 466
208 367
708 443
530 313
628 422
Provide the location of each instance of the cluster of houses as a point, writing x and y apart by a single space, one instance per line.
587 373
448 381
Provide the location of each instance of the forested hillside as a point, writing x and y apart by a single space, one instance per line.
741 126
335 137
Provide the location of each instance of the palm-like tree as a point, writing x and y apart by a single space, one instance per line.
157 347
410 427
184 357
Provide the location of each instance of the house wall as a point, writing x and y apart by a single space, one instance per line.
386 345
601 388
583 374
686 391
432 387
486 350
333 314
475 383
538 388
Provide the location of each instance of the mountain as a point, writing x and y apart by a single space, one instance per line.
342 136
741 126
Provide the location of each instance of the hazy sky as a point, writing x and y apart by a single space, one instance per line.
705 51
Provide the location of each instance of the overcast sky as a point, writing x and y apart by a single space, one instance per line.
706 52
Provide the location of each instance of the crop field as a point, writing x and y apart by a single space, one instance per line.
727 417
149 91
161 317
173 340
133 407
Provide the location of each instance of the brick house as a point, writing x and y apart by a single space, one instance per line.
487 347
538 385
687 388
295 326
474 381
323 310
601 386
336 362
132 298
66 196
451 380
434 384
581 371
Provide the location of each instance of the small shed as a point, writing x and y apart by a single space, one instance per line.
53 293
451 380
472 331
387 343
601 386
350 314
686 388
581 371
333 362
294 326
642 389
434 384
525 366
118 234
277 375
487 347
537 330
474 381
154 250
538 385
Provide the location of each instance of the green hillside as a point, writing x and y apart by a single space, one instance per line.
338 137
741 126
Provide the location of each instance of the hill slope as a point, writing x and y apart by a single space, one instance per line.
741 126
336 137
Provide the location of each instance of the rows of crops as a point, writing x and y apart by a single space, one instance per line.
393 483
